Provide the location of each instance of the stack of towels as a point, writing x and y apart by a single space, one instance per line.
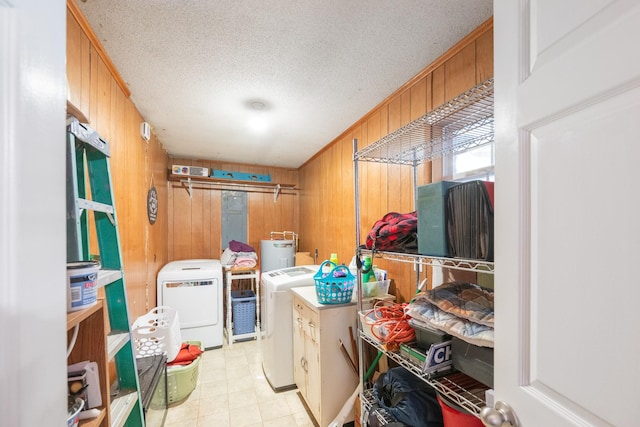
239 254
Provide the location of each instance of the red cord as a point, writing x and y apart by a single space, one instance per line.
394 321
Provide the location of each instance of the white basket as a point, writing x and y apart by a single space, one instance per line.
368 325
157 332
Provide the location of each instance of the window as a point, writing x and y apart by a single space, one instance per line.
475 162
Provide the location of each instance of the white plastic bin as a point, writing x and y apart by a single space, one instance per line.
157 332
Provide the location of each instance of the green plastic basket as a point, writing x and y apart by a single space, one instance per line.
182 380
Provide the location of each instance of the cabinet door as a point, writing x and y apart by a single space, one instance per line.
312 354
299 374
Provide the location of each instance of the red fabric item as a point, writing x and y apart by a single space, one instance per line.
187 354
488 185
395 231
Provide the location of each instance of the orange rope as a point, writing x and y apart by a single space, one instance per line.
393 320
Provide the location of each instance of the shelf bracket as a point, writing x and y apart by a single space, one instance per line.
190 187
275 193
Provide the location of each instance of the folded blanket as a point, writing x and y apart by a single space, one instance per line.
464 310
466 330
228 257
466 300
236 246
252 255
245 262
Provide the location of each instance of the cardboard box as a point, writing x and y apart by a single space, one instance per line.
85 375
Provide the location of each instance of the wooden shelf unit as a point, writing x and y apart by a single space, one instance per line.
91 345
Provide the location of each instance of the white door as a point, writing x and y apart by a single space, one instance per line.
568 211
33 336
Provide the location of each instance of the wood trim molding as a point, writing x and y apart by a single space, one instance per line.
93 39
454 50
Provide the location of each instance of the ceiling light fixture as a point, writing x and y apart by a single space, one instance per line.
257 121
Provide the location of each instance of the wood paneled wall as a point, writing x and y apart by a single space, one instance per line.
98 91
327 209
322 212
195 219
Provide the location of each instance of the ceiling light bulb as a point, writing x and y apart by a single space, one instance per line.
258 124
257 105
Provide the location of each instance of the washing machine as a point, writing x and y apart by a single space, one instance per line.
277 323
194 289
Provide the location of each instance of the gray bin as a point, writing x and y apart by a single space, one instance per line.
426 336
475 361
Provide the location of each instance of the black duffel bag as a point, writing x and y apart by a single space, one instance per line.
407 398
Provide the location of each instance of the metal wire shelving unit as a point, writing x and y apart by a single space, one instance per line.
463 123
459 388
428 260
460 124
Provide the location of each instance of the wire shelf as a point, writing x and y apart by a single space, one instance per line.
462 390
455 386
370 407
478 266
458 125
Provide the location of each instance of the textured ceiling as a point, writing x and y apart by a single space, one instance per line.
196 68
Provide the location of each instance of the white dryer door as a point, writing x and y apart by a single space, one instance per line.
195 301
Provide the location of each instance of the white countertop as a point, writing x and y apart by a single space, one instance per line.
308 293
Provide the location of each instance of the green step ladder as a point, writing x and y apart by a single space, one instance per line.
88 154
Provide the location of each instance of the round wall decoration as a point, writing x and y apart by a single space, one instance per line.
152 204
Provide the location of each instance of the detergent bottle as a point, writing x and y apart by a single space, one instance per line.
367 271
334 259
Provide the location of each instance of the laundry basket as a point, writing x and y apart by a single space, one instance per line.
244 311
335 286
182 379
157 332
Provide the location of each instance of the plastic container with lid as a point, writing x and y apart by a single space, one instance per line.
74 407
82 284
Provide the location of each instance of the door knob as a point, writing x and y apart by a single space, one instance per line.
500 416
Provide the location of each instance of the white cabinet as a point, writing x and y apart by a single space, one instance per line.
322 373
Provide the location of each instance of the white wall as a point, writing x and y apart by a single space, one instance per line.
32 213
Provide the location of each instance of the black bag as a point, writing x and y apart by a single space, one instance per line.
469 216
408 399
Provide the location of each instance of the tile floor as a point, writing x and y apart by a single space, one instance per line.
232 392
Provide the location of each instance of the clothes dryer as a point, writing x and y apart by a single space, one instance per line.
194 289
277 324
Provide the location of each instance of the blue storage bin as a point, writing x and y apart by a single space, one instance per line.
243 304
